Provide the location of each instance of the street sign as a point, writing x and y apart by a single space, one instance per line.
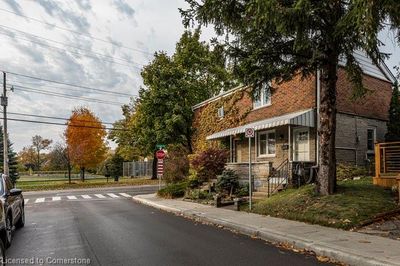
160 171
160 167
160 154
249 133
160 146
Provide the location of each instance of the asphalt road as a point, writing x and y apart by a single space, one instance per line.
114 230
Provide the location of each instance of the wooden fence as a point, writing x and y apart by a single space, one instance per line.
387 163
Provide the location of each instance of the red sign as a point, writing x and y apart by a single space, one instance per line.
160 167
160 154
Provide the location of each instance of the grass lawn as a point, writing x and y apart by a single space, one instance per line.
355 202
89 183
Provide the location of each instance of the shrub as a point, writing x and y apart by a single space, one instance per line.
228 182
209 163
176 166
173 190
347 171
243 190
193 179
195 194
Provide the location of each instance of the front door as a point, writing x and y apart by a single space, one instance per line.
301 144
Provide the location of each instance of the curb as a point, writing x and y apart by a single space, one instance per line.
276 238
104 188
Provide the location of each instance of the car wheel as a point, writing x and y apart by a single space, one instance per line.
8 231
2 254
21 220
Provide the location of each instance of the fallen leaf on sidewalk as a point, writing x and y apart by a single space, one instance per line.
364 241
323 259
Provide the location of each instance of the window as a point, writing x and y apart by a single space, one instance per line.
301 144
266 143
221 112
371 137
262 97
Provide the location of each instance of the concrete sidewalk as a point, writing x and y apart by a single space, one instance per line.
347 247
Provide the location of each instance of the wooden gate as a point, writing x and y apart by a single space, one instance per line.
387 163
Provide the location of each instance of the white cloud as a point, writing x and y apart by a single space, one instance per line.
145 25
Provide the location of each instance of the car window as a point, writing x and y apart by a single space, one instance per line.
8 182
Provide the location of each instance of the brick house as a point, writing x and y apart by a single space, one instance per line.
286 120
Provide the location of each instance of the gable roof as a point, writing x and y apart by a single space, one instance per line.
379 71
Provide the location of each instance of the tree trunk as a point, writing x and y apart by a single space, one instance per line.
83 174
38 160
326 182
154 174
69 174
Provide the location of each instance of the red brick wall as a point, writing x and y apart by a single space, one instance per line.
299 94
288 97
375 104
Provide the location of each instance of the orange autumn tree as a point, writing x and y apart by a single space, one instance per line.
85 136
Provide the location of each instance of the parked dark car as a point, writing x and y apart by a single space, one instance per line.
12 214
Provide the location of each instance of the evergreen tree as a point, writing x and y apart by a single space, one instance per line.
393 125
12 158
275 40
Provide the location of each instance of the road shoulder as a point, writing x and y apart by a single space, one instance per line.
348 247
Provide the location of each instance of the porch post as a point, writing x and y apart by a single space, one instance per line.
230 149
290 144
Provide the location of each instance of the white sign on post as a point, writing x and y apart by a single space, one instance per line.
250 133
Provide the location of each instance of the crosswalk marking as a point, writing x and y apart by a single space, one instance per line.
39 200
115 195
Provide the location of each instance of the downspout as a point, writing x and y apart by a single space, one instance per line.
318 102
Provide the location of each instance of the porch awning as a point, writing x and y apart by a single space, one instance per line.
302 118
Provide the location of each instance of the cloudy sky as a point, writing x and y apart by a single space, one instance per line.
40 38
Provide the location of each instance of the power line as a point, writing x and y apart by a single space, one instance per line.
60 124
24 83
76 32
67 84
58 49
65 44
62 95
54 117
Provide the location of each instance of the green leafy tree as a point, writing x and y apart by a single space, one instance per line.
162 113
277 39
12 158
393 125
114 166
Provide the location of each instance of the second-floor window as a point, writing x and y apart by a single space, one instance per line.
262 96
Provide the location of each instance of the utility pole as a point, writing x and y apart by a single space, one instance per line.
4 103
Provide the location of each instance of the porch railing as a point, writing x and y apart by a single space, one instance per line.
387 159
279 178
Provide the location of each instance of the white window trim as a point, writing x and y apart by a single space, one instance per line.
308 142
259 142
262 105
221 112
374 140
